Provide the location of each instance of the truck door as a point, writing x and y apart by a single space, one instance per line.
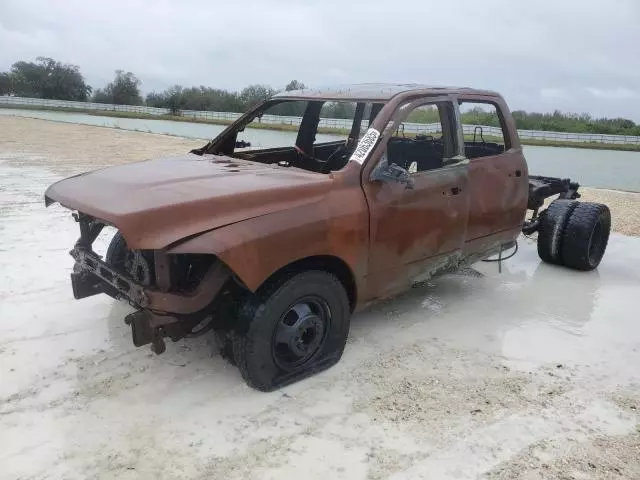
498 178
417 228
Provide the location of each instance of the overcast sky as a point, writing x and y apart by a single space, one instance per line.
573 55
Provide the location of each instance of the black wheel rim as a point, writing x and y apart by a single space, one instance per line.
300 333
595 245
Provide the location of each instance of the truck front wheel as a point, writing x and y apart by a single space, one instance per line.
138 264
293 328
117 252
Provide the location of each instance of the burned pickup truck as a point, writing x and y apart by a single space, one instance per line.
311 206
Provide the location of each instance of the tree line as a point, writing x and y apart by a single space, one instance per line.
48 78
51 79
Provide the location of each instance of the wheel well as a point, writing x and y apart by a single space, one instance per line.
327 263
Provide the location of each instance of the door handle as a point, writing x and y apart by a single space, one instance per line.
454 190
518 173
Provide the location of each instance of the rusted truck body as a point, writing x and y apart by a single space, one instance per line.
275 247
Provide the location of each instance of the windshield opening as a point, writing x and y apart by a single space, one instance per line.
315 135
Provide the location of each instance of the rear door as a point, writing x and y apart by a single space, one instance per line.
498 180
419 229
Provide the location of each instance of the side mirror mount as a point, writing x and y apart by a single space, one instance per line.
392 173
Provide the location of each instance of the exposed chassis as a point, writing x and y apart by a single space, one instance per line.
160 312
541 188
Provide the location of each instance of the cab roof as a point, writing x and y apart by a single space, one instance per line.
376 91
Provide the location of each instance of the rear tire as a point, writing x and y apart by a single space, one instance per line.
292 329
586 236
550 232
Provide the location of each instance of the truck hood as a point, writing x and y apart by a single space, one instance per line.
159 202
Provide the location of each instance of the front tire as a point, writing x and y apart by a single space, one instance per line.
292 329
117 252
138 264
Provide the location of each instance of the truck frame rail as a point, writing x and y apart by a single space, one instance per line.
541 188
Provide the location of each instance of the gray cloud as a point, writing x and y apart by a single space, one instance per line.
572 55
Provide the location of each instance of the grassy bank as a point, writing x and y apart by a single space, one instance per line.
327 130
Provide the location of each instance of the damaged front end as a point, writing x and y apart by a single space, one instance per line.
178 295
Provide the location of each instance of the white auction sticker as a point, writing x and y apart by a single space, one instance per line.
365 145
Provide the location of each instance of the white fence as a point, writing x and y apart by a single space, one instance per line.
324 122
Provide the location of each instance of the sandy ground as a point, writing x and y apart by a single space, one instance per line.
526 374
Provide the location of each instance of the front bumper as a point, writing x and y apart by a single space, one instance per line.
92 275
160 312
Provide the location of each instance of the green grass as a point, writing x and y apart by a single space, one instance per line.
328 130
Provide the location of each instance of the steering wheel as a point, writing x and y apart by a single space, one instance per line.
339 149
325 165
302 154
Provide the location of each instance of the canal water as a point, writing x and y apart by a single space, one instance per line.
592 168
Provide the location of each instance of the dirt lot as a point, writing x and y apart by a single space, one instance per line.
527 374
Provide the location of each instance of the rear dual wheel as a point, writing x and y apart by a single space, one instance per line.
574 234
586 236
553 221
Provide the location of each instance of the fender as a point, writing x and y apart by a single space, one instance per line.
256 248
